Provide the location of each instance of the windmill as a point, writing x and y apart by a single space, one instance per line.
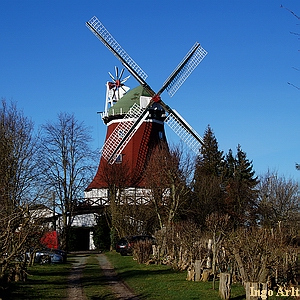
127 123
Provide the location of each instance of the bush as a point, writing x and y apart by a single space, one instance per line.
142 251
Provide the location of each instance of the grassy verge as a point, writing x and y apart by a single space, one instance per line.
44 282
161 282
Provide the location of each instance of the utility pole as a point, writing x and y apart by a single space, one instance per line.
54 218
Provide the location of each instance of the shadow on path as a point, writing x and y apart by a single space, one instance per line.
75 290
119 288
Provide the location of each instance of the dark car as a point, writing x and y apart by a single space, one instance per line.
122 245
125 244
50 256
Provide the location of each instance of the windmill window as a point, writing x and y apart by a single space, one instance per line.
119 159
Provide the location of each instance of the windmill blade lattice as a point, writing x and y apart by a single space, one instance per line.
192 60
108 40
181 127
121 135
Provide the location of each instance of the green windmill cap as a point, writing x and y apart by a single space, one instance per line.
125 103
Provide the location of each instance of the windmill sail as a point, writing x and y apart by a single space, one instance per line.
181 127
108 40
174 120
189 63
121 135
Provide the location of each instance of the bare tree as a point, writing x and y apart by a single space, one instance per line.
186 243
19 188
278 201
129 212
217 224
167 177
68 165
260 253
116 177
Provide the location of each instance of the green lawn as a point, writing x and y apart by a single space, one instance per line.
161 282
47 282
44 282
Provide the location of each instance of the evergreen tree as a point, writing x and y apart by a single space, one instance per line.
211 160
102 233
208 192
240 182
230 165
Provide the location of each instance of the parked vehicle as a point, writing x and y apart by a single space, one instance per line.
46 255
125 245
122 245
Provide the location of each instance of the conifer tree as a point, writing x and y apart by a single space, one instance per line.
230 163
208 190
211 160
240 182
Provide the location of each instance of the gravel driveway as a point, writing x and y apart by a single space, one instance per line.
75 290
119 288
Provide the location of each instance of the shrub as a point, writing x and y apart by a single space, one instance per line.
142 251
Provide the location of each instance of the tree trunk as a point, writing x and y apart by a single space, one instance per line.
214 258
225 285
191 273
198 270
205 274
240 265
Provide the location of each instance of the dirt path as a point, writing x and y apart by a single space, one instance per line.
119 289
75 290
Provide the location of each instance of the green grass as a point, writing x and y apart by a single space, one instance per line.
161 282
44 282
48 281
151 282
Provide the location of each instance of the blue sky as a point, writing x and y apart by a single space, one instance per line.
50 63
